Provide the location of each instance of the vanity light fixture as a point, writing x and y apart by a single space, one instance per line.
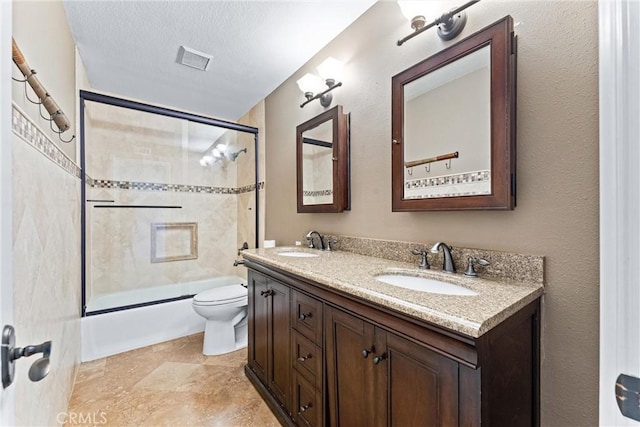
216 154
449 24
206 160
311 85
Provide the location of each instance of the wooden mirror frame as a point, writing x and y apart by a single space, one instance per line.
341 192
501 38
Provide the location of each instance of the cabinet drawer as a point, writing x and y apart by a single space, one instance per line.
307 358
307 402
307 316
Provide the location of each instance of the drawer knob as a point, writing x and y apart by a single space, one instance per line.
266 293
303 358
304 408
379 359
303 316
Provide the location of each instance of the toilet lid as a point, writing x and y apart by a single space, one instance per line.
223 293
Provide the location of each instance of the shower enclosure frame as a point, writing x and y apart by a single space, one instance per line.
139 106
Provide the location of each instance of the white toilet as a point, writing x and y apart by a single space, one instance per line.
225 310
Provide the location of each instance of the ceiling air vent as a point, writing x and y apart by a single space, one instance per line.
194 59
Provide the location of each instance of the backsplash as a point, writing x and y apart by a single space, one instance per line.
504 265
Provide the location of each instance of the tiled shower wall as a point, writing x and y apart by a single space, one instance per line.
133 167
46 245
120 238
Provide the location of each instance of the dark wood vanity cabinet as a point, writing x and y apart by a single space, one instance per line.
307 359
377 378
270 337
354 363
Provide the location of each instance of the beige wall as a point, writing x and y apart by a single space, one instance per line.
453 117
557 212
42 33
46 245
46 221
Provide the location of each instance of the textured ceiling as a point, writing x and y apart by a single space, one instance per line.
129 48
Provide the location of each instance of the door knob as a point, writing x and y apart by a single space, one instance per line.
304 316
379 359
304 408
10 353
366 352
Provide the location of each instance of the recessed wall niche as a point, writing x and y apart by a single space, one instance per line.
174 241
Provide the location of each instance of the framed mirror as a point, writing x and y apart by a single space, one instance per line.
453 126
322 147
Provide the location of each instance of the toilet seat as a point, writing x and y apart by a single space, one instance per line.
222 295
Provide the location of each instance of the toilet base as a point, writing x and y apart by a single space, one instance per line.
219 338
242 335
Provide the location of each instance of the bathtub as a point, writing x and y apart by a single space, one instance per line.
111 333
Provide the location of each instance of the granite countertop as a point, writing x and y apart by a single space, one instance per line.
354 274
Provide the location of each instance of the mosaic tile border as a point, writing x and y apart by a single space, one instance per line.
462 178
31 133
317 193
464 184
181 188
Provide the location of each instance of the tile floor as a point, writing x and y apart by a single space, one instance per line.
170 384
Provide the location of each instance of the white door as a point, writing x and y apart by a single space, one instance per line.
619 23
6 234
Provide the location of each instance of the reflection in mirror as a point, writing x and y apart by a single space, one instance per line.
448 112
317 153
453 126
322 168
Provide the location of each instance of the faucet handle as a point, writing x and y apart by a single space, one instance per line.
245 245
310 242
330 241
425 262
471 261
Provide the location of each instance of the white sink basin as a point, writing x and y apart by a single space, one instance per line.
424 285
297 254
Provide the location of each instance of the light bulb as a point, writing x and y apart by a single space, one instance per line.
430 9
216 153
331 68
310 83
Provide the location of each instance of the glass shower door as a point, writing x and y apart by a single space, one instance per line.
168 203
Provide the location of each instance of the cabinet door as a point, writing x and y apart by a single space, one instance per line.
350 382
279 372
258 324
422 385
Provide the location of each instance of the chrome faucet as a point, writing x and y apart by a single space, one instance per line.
447 265
310 239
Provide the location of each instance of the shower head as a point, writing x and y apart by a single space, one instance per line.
234 156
